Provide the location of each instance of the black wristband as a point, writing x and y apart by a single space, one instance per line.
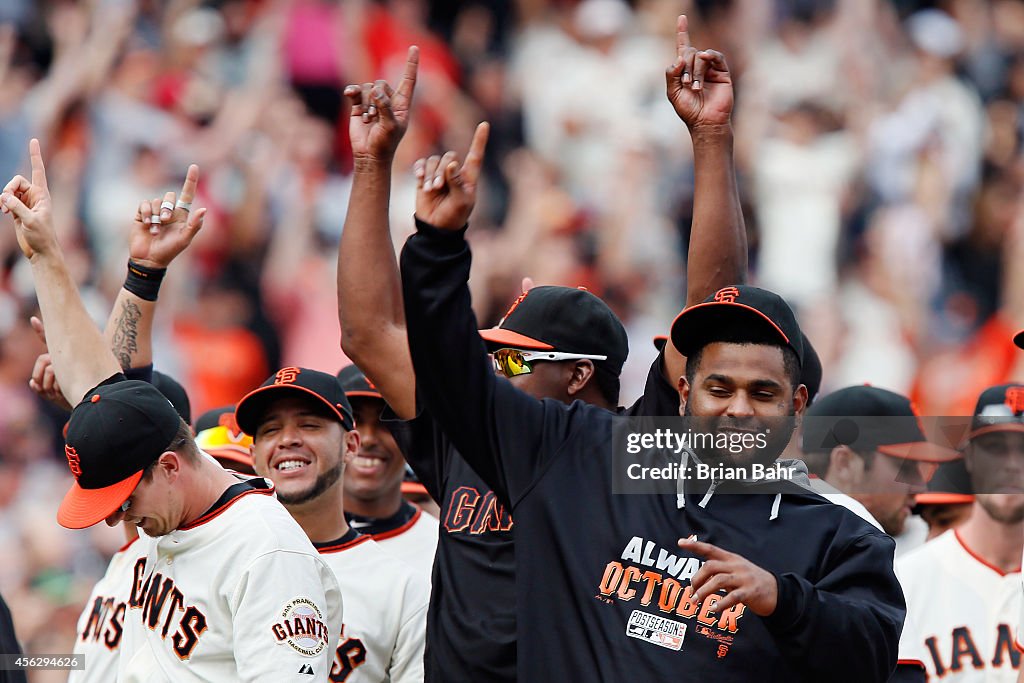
433 231
144 282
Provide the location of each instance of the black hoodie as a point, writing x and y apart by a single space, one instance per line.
602 587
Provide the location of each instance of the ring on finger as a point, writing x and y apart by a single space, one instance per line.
155 219
181 205
166 205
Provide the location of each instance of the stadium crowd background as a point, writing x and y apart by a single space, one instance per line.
878 144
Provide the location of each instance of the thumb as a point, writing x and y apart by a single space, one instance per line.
528 284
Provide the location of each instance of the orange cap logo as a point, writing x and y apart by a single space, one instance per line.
519 300
727 295
74 463
1015 399
369 383
286 375
227 420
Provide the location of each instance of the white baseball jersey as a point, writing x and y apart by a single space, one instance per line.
964 613
239 594
385 624
101 625
410 535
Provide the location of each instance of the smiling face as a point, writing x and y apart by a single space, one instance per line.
742 389
299 446
377 469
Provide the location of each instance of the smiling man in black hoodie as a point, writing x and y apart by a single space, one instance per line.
775 584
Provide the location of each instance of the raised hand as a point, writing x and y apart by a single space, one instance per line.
380 114
29 204
44 380
698 83
161 232
446 192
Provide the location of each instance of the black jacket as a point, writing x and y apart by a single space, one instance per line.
601 584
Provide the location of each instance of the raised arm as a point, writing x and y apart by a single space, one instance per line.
369 285
699 86
151 248
81 358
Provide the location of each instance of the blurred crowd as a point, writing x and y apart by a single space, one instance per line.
878 145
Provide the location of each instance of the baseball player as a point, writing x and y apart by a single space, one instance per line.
963 589
304 438
229 587
884 465
374 477
787 585
472 625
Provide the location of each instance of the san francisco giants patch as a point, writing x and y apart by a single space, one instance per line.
301 627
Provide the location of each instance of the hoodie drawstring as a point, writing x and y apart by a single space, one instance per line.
680 481
775 507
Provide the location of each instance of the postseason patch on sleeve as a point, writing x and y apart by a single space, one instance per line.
301 627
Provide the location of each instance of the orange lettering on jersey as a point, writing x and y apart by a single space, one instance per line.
193 625
707 610
670 590
653 579
286 375
610 580
1015 399
74 463
461 506
727 295
625 592
687 607
730 616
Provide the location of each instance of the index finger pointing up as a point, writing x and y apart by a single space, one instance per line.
35 156
188 188
408 84
682 35
475 156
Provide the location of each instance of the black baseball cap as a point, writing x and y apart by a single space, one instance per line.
320 385
355 383
175 393
843 418
741 311
116 432
810 370
562 319
999 409
218 434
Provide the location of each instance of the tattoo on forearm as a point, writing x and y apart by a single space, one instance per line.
125 343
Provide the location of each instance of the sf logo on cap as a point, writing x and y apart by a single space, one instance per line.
286 375
519 300
727 295
1015 399
73 461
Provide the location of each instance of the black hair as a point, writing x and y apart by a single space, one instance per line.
183 444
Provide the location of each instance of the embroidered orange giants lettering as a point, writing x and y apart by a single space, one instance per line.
74 463
727 295
1015 399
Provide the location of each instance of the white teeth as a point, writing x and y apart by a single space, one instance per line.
290 465
363 461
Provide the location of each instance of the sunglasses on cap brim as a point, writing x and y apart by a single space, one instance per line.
515 362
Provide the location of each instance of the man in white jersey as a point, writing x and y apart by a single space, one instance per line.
303 433
374 504
229 587
964 588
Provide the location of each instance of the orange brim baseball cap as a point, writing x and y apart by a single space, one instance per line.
117 431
